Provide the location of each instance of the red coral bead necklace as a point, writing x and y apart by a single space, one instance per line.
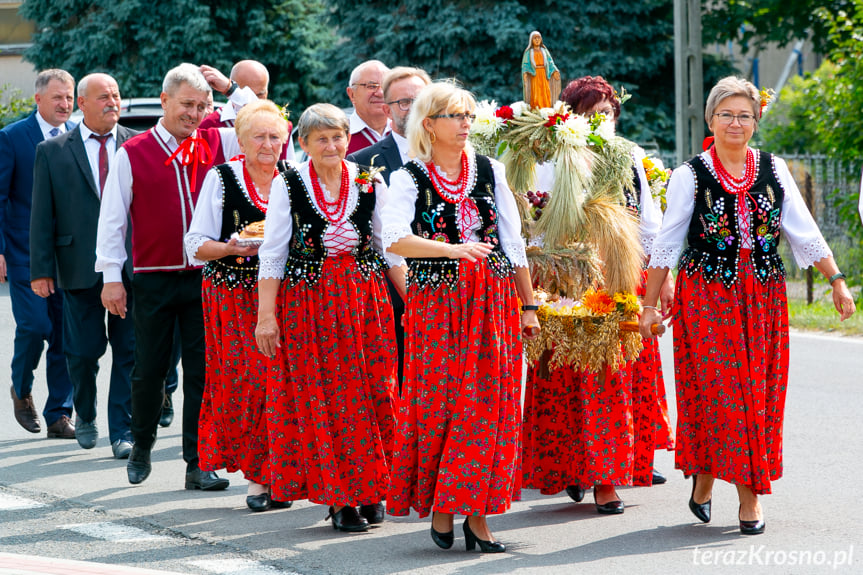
453 191
334 212
731 184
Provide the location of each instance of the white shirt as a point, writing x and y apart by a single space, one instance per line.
402 144
117 196
339 238
399 210
357 125
798 225
207 220
92 146
46 127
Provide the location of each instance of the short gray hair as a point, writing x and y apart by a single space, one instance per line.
355 73
45 76
729 87
322 117
185 73
84 82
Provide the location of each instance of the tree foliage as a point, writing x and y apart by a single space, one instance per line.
137 41
13 105
753 23
480 42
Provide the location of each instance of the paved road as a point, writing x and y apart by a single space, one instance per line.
59 501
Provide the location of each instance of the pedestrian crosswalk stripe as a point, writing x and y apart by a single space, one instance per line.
11 502
114 532
238 567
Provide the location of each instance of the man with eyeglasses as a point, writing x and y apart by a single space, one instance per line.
401 86
369 123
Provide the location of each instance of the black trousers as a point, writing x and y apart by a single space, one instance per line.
163 299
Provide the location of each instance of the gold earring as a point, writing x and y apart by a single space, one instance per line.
433 138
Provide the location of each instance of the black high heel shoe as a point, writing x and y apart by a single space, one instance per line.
700 510
751 527
611 508
443 540
260 502
470 541
575 492
347 519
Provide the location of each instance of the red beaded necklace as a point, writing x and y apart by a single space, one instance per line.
259 202
333 211
452 191
731 184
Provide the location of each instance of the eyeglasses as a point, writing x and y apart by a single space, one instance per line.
743 119
460 117
404 104
370 86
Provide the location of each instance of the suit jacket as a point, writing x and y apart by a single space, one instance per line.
18 143
387 152
65 212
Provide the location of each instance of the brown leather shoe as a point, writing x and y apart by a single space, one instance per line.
62 429
25 412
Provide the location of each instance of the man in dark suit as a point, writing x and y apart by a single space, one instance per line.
36 319
70 173
400 87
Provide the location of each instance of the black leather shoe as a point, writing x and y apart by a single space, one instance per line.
611 508
260 502
373 513
658 478
700 510
138 468
280 504
347 519
167 411
751 527
575 492
205 480
443 540
470 541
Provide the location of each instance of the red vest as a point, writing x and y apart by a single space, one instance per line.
163 200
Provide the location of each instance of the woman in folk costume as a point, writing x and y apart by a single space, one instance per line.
232 426
584 428
450 213
731 203
324 317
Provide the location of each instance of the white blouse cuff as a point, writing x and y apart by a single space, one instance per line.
193 244
514 250
807 253
647 244
664 255
272 267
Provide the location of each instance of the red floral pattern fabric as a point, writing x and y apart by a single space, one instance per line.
458 438
330 396
232 431
652 426
731 373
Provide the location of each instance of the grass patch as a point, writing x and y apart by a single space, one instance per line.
822 316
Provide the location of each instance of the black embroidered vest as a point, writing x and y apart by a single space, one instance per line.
306 251
714 238
632 199
238 211
436 219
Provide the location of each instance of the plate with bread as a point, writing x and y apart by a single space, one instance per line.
251 235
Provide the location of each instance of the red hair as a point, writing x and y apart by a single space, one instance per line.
586 92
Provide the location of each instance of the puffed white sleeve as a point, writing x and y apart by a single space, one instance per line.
680 198
278 228
397 212
798 225
509 223
651 215
377 222
207 220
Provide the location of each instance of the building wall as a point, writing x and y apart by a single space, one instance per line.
15 34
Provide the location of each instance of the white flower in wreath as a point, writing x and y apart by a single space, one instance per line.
518 108
486 125
574 131
605 130
546 113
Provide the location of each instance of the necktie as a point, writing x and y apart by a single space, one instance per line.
54 132
103 160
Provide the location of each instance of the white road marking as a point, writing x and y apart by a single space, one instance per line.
238 567
114 532
11 502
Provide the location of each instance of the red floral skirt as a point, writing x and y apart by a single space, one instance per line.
458 441
330 398
731 372
232 430
651 424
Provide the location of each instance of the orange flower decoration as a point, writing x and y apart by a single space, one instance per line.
599 303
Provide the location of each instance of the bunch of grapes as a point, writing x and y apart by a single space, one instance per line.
538 201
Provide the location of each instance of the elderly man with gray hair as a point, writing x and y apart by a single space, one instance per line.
368 122
154 184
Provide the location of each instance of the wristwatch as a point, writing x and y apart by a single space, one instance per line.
529 307
231 89
836 276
